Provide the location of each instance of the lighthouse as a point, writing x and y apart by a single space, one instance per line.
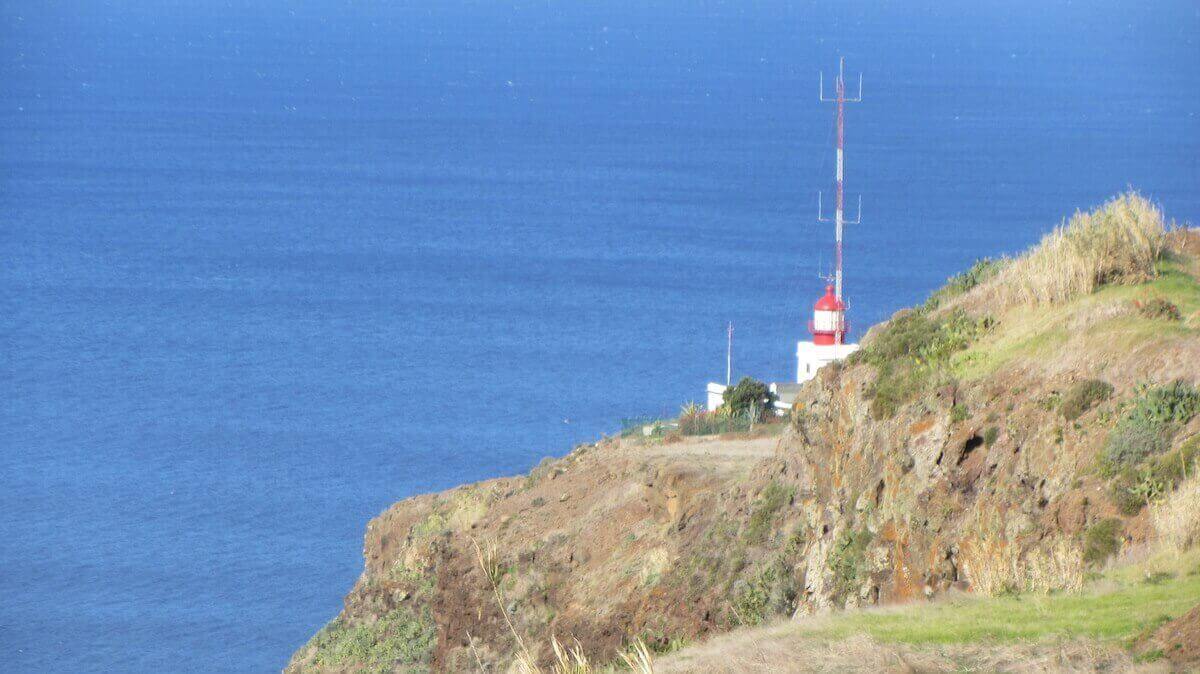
828 325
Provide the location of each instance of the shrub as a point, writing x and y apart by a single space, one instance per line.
848 560
1133 488
1102 541
1083 396
1137 487
891 389
1129 444
990 436
909 349
958 413
768 592
772 498
749 397
1174 467
1175 403
1148 424
1158 308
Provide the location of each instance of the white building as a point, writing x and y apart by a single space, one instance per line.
828 328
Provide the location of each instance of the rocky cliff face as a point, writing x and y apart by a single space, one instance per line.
963 448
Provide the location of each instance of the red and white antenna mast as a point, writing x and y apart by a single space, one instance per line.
839 220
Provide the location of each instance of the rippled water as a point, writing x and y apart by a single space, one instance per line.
266 271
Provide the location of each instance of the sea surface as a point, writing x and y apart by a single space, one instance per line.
266 268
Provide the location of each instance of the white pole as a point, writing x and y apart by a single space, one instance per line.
729 356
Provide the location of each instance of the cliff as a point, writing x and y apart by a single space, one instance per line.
1005 437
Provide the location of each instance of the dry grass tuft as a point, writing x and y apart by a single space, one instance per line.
1177 518
1119 242
996 567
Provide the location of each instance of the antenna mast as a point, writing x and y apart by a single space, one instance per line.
839 220
729 356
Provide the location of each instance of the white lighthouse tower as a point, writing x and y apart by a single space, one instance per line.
828 328
828 325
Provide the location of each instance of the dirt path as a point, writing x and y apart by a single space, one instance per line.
710 453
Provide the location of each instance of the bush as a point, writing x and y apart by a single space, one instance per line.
1083 396
770 591
1176 466
1175 403
1129 444
749 397
774 497
848 560
1102 541
990 436
1148 424
1158 308
909 349
1137 487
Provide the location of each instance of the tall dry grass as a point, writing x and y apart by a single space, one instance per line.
567 659
1177 518
995 567
1119 242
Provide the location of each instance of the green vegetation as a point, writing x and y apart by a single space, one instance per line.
705 423
959 413
399 638
768 503
1148 424
1158 308
1175 403
1102 541
983 270
762 596
1134 457
1100 274
848 561
748 398
749 406
1110 616
910 350
990 436
1083 396
1134 487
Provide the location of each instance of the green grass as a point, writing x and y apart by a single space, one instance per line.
1115 608
1024 333
397 639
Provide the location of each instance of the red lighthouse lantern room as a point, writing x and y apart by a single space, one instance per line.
828 324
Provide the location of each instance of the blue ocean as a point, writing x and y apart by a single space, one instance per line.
267 268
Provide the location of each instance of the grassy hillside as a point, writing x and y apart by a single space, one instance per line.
1103 626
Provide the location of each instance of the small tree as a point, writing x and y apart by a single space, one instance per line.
748 396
